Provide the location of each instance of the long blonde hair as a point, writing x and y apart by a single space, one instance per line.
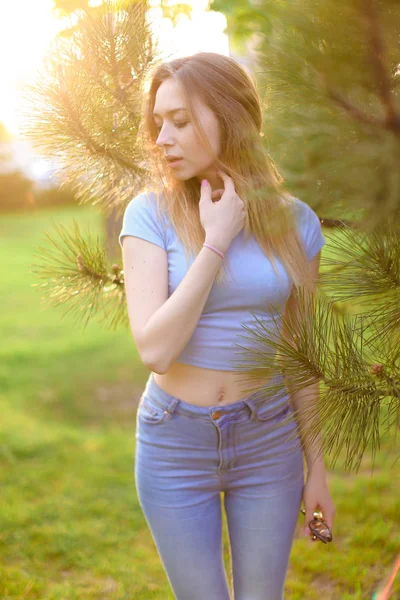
225 87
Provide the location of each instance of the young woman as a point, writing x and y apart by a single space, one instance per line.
212 241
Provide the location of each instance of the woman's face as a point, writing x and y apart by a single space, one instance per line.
176 134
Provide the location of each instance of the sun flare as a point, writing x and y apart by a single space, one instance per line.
27 29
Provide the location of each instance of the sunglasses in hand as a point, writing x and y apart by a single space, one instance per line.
319 529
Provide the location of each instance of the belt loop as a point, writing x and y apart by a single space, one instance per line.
172 406
250 404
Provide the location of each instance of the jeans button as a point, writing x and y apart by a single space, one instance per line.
217 415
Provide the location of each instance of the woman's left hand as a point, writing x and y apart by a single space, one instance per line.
316 496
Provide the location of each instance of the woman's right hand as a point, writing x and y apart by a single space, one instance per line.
223 219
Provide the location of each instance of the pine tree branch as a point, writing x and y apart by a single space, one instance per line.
120 91
88 140
121 100
377 54
365 268
75 117
319 346
391 121
353 111
114 63
77 274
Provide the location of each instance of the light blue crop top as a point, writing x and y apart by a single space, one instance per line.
251 282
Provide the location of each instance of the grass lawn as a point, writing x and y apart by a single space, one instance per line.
70 523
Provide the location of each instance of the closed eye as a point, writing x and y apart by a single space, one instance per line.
178 125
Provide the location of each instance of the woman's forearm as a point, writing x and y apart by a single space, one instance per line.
308 397
170 328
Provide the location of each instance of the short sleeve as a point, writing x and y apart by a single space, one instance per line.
310 229
141 220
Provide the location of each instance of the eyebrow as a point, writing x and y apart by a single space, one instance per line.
170 112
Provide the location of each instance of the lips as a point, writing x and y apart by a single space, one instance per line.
172 158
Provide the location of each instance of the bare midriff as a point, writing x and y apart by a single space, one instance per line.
205 387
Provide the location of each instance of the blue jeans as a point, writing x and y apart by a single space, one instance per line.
186 455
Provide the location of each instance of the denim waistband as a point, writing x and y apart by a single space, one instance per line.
167 401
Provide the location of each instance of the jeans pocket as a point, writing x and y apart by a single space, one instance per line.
151 413
265 413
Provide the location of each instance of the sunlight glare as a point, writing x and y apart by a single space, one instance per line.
27 28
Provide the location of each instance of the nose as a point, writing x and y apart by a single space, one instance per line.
164 137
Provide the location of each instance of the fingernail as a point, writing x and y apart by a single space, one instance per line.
204 182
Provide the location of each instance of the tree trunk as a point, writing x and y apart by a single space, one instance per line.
113 225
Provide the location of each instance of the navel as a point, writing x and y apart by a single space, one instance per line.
221 396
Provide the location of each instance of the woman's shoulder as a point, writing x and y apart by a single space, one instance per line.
149 201
303 211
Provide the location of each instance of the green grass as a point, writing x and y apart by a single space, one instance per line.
70 523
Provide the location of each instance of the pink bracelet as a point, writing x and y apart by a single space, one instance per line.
215 249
